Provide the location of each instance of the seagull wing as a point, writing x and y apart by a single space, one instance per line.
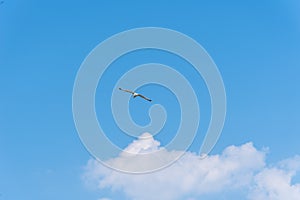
126 91
144 97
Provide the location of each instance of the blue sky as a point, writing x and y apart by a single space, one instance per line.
255 45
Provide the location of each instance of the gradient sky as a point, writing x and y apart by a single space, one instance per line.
255 45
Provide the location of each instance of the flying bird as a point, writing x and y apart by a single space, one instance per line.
134 94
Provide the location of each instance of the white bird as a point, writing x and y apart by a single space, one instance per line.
134 94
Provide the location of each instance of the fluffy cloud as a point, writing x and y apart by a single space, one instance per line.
237 170
275 182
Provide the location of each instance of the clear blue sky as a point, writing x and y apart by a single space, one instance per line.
255 45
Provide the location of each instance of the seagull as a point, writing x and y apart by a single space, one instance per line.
134 94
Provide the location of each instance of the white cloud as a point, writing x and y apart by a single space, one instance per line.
144 144
275 182
236 169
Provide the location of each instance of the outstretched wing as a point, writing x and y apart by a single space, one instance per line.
126 91
144 97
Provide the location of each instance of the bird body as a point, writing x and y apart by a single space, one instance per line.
134 94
